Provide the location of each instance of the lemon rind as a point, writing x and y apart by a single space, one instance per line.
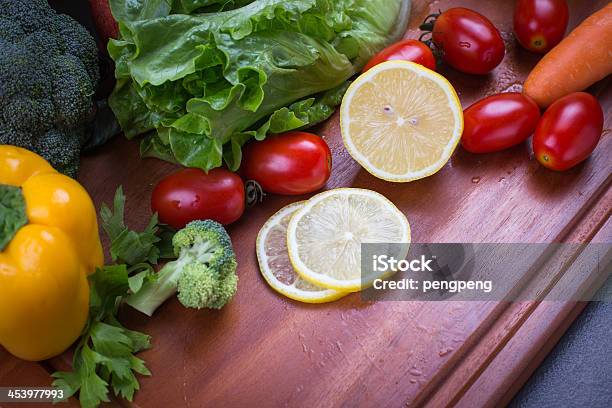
323 296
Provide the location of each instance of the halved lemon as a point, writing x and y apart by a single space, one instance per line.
276 267
401 121
324 237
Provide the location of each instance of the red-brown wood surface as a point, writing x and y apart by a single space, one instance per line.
265 350
18 373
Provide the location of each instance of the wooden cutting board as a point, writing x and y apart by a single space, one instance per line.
266 351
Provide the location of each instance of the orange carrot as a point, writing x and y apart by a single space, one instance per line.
581 59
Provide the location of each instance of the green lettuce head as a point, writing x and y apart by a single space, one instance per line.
200 85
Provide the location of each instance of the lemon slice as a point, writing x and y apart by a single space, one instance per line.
324 237
275 266
401 121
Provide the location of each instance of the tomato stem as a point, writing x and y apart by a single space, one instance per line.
426 36
423 40
430 20
254 193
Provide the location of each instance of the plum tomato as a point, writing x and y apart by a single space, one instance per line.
568 131
406 50
293 163
468 41
539 25
499 122
192 194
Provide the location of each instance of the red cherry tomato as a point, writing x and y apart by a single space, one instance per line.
568 131
499 122
468 40
407 50
291 164
191 194
539 25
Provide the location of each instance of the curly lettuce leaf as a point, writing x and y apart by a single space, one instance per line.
134 10
207 83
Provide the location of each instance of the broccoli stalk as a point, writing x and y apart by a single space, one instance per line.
204 274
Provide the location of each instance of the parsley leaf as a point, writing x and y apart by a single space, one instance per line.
166 249
128 246
104 357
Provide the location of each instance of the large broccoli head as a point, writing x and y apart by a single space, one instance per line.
204 274
48 76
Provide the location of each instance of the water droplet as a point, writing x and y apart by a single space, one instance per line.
501 179
412 381
606 132
517 87
476 179
176 204
416 372
388 109
464 44
445 351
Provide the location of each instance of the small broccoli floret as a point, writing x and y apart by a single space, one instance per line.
199 287
29 115
11 136
10 29
41 45
31 15
72 92
78 42
204 274
63 149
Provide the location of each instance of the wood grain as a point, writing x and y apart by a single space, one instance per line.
265 350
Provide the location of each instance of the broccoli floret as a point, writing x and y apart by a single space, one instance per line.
63 149
48 76
204 274
72 91
29 115
31 15
78 42
10 30
10 136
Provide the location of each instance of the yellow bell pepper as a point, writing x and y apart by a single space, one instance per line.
44 293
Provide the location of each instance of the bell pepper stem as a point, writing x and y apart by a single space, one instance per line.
12 213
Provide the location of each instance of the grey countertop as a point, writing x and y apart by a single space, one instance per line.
578 371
